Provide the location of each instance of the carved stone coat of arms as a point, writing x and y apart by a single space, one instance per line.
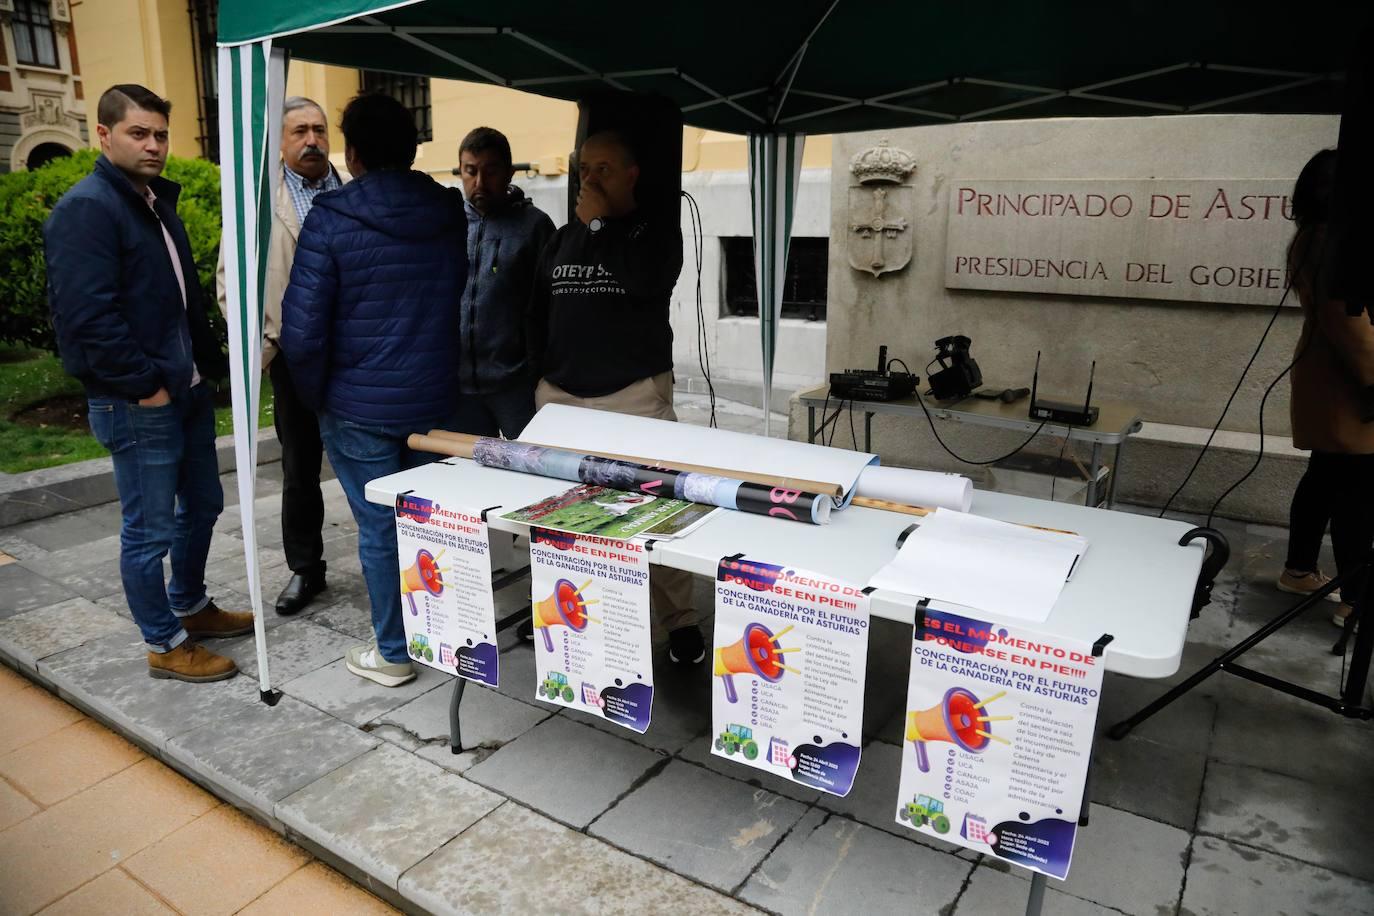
880 234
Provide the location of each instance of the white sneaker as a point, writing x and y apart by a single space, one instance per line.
367 662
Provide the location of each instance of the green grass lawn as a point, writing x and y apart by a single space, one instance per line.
30 376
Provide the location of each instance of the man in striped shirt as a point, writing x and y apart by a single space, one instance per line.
306 173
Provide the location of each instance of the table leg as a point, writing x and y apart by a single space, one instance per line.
811 423
1116 474
1037 894
1227 662
868 431
455 732
1093 468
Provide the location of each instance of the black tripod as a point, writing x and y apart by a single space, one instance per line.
1349 702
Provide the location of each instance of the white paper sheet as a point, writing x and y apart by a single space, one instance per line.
582 429
916 488
991 527
1003 569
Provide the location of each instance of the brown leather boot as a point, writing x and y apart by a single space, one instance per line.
191 662
211 623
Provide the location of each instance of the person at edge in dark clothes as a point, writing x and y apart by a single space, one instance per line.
1333 392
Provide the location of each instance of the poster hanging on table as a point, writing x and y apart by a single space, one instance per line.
997 737
590 602
446 598
790 654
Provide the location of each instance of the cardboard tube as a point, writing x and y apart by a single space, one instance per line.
869 502
767 480
438 445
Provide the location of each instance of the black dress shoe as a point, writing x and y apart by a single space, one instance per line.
299 592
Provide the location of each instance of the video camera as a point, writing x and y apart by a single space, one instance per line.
959 373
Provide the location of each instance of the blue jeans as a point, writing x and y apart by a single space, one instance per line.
167 475
360 453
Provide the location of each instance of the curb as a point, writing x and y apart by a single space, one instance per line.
39 494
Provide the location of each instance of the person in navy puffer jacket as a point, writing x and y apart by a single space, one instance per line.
370 325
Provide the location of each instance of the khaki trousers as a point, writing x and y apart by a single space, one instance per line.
670 590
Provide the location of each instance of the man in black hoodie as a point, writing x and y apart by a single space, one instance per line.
599 332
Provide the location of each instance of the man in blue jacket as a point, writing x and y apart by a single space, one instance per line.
370 330
506 233
130 320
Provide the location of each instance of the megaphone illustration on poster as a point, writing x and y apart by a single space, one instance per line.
565 607
424 575
959 718
757 652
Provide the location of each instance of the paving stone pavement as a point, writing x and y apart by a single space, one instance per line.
1236 800
89 824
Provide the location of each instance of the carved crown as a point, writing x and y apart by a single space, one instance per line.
882 163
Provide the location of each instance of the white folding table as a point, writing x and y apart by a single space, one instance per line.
1135 583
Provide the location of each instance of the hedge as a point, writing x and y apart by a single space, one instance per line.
26 199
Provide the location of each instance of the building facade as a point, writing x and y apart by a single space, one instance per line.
42 97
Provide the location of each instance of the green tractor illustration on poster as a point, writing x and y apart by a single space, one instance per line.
738 739
925 810
419 648
555 686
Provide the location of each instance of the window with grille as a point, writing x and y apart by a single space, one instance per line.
803 288
205 26
410 91
34 41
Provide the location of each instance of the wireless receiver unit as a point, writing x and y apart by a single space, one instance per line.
872 384
1058 411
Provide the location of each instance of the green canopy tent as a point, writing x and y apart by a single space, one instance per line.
775 71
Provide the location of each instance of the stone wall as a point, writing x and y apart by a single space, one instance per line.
1176 361
10 133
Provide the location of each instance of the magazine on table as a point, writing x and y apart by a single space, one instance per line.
620 514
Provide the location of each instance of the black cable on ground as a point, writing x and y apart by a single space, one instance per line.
1259 456
820 431
839 411
703 352
1054 477
1234 391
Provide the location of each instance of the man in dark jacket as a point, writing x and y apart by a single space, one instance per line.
130 321
506 233
369 329
599 331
